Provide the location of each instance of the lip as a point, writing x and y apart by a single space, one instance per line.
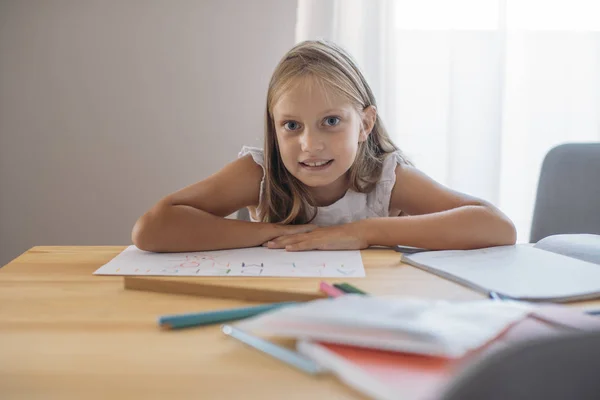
316 160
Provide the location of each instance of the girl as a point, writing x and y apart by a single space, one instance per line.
329 178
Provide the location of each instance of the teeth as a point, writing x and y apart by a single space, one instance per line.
316 164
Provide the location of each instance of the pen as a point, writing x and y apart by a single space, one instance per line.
212 317
281 353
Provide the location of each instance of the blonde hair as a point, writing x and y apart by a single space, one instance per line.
285 199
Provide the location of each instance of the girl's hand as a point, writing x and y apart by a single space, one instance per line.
287 230
341 237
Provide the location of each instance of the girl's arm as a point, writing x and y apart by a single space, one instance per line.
192 219
438 218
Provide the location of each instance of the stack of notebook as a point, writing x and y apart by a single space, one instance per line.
409 348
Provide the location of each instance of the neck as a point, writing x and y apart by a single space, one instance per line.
327 195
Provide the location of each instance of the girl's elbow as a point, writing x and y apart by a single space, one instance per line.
511 232
507 233
140 234
144 232
502 231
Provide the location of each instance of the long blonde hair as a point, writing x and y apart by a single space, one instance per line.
285 199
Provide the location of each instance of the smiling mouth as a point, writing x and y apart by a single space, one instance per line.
316 165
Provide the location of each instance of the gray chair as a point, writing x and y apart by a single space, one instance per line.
554 368
568 194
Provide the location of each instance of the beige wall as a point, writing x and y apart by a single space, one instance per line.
106 106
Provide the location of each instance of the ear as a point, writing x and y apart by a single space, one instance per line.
369 116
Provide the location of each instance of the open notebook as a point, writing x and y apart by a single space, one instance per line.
559 268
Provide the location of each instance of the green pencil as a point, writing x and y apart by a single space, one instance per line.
347 288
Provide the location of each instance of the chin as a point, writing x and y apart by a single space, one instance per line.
317 182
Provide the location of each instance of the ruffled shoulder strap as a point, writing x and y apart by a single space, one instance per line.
380 197
258 156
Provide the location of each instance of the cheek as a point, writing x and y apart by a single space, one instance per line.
287 149
347 140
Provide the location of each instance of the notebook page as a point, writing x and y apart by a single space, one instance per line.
585 247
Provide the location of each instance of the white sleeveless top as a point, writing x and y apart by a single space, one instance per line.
354 206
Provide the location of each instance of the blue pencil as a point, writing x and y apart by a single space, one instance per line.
214 317
281 353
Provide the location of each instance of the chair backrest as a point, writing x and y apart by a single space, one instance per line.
568 194
553 368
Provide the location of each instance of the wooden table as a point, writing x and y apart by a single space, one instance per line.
65 333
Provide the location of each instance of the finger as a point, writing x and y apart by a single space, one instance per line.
288 239
283 241
274 245
303 246
297 229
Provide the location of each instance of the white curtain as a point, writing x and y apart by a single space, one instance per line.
475 92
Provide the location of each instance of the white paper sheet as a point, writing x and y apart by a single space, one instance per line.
255 261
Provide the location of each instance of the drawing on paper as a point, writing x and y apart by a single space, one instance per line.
256 261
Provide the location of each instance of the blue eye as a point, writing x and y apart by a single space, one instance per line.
332 121
291 125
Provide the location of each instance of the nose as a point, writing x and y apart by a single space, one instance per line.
311 141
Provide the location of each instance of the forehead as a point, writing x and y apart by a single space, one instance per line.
309 95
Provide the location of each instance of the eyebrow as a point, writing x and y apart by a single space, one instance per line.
334 110
286 116
330 111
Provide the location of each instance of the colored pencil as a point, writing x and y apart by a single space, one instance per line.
347 288
281 353
213 317
330 290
